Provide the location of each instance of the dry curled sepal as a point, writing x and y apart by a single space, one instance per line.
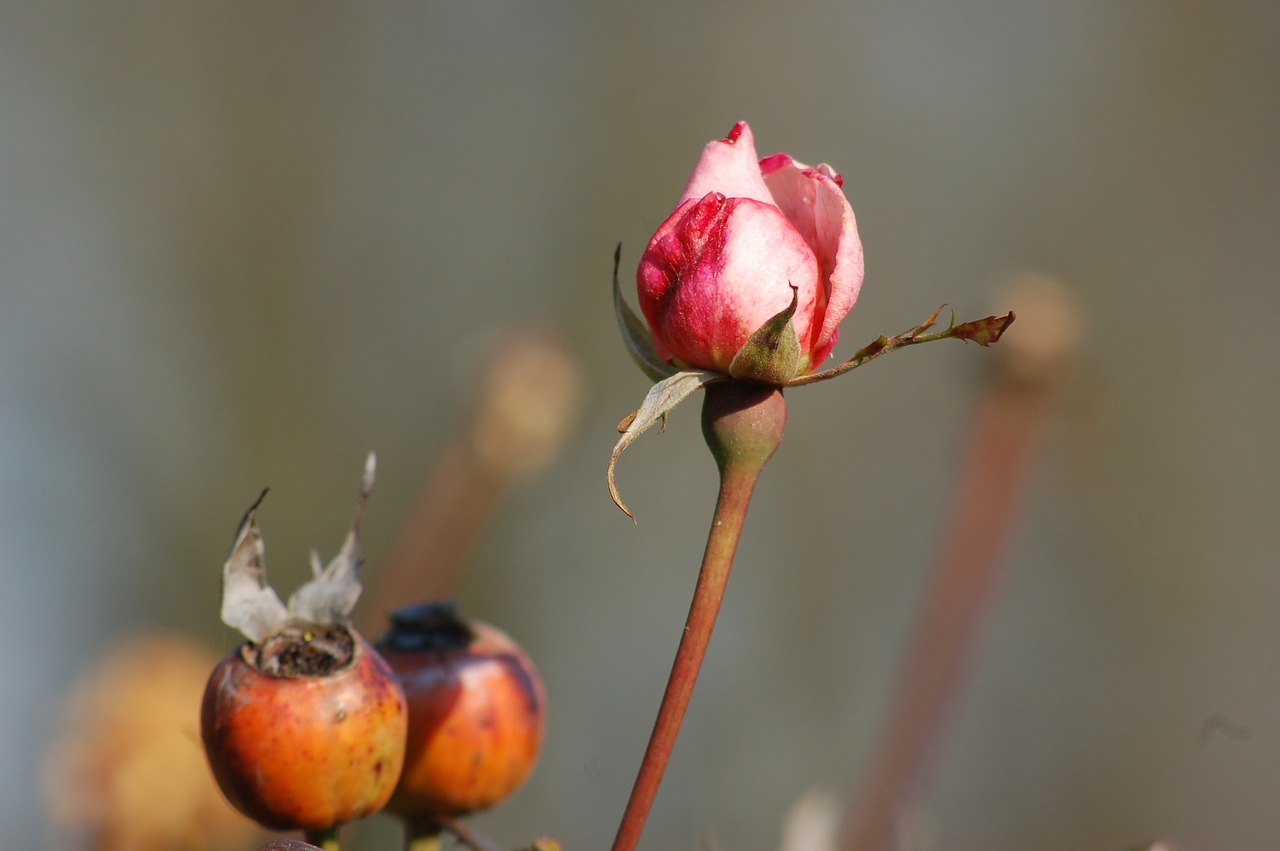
635 333
661 399
984 332
251 606
332 594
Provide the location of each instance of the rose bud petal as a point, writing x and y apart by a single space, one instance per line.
744 233
717 270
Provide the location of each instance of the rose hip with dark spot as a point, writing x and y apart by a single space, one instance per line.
477 711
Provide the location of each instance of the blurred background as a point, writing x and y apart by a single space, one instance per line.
243 244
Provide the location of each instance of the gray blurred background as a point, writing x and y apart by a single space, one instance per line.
242 244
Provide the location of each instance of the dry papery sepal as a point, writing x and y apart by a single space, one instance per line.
252 606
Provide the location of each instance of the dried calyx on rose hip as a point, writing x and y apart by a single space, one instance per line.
477 711
304 725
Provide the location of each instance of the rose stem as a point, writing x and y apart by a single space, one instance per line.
743 424
1008 430
326 838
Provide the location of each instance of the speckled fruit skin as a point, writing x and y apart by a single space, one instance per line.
305 753
476 720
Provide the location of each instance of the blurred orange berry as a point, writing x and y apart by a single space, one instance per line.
126 771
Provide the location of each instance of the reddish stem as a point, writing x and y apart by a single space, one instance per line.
743 423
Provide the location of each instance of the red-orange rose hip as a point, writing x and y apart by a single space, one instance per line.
477 711
306 730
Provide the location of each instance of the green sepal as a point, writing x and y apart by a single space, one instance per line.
635 333
772 353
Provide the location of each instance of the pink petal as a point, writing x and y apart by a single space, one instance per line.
728 166
812 200
715 271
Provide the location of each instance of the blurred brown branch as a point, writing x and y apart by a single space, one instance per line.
1010 420
528 398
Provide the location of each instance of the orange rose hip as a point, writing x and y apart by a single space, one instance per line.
306 730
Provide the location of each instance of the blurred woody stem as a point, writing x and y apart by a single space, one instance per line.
467 837
425 835
1010 419
525 402
422 836
445 524
743 423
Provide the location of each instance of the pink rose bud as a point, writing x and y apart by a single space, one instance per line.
745 235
